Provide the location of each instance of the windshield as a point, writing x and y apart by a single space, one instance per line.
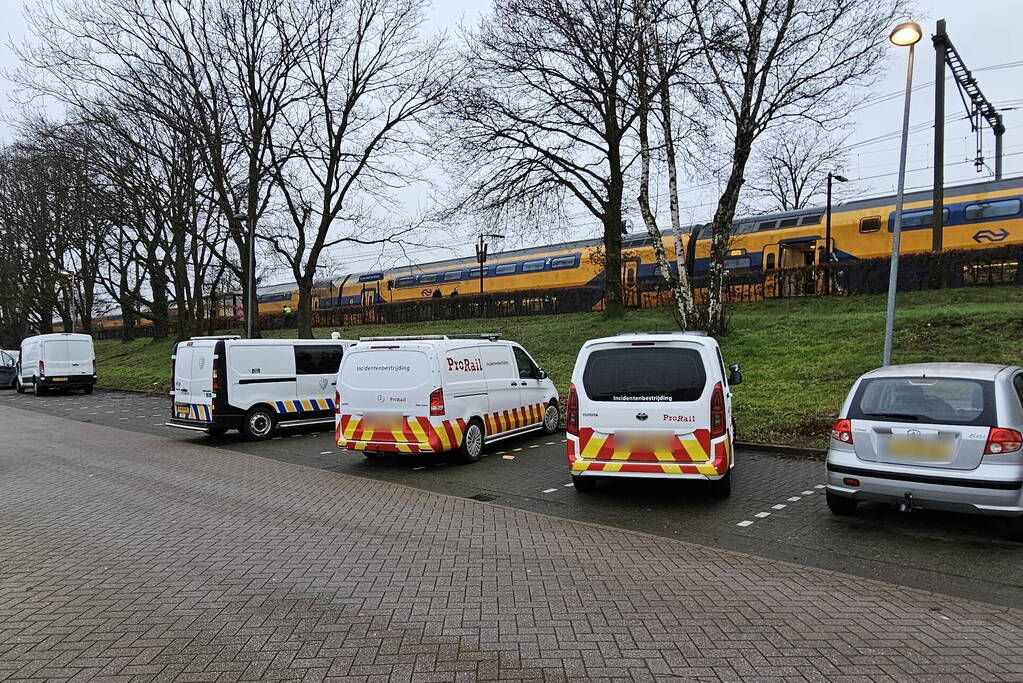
925 399
644 373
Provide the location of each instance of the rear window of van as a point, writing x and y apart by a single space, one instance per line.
644 373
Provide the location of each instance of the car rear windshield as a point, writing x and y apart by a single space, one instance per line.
644 373
930 400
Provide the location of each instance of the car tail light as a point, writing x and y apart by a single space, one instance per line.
851 481
174 365
1000 440
842 431
42 369
717 412
437 402
337 402
216 377
572 414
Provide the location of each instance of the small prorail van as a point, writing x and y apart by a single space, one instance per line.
56 362
253 385
651 405
431 394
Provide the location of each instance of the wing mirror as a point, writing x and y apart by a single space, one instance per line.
736 375
542 374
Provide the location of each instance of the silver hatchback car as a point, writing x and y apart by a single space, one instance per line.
943 436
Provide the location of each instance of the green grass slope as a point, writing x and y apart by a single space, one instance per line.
799 356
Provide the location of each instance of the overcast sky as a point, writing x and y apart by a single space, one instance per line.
984 31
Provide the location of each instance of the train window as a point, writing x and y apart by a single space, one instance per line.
998 209
269 298
430 278
452 275
918 219
738 263
533 266
770 261
404 281
870 224
811 220
766 225
788 222
563 262
474 274
505 269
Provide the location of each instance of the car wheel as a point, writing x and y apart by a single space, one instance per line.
210 431
722 488
584 484
259 424
841 505
551 419
88 390
472 443
1015 527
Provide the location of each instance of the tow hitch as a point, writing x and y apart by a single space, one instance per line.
905 505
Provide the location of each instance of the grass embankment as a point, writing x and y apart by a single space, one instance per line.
799 356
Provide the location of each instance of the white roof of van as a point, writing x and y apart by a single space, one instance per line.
693 337
57 335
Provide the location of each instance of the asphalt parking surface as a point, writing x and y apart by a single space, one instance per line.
776 510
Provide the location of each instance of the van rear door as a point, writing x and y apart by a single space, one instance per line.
193 379
646 401
67 357
382 383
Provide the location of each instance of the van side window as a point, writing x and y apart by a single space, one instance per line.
721 364
317 360
527 370
1018 383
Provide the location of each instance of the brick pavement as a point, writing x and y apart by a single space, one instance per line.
127 556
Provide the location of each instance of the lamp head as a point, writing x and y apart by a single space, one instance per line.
906 34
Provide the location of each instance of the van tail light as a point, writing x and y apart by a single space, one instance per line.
174 365
572 414
717 412
42 369
437 402
216 377
1000 440
337 402
94 367
842 431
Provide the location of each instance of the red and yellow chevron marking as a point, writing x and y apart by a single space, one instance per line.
507 420
416 435
681 456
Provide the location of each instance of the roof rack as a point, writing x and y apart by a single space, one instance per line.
217 336
491 336
693 333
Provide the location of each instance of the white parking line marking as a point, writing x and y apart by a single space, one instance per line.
564 440
549 490
508 457
779 506
122 418
807 493
761 515
568 484
793 499
516 450
326 452
419 468
819 486
744 522
534 446
549 443
501 452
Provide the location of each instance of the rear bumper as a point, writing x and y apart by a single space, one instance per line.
69 381
386 447
717 466
995 490
203 425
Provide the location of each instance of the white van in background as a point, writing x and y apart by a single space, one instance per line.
651 405
438 393
61 361
253 385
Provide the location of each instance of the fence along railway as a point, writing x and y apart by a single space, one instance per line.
777 255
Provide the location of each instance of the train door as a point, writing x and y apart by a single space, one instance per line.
800 255
369 300
630 282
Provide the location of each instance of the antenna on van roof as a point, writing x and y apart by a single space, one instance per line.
491 336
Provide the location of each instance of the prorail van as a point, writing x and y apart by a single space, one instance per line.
432 394
256 386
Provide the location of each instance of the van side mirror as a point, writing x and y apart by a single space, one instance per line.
736 375
542 374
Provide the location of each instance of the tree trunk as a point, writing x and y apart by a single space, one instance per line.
614 301
721 232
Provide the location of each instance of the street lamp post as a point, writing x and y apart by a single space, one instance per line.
71 299
481 253
903 35
252 308
827 233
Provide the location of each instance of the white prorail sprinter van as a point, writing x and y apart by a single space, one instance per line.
253 385
56 362
651 405
440 393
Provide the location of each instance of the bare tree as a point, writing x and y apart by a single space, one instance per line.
775 61
543 112
344 149
791 170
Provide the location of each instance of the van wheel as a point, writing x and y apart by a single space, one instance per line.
472 443
841 505
18 386
1015 528
551 419
210 431
722 488
39 390
88 390
259 424
584 484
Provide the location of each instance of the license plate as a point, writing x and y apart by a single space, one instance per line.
645 441
383 423
181 411
930 450
59 379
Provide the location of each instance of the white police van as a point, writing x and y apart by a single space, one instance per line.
253 385
651 405
56 362
431 394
